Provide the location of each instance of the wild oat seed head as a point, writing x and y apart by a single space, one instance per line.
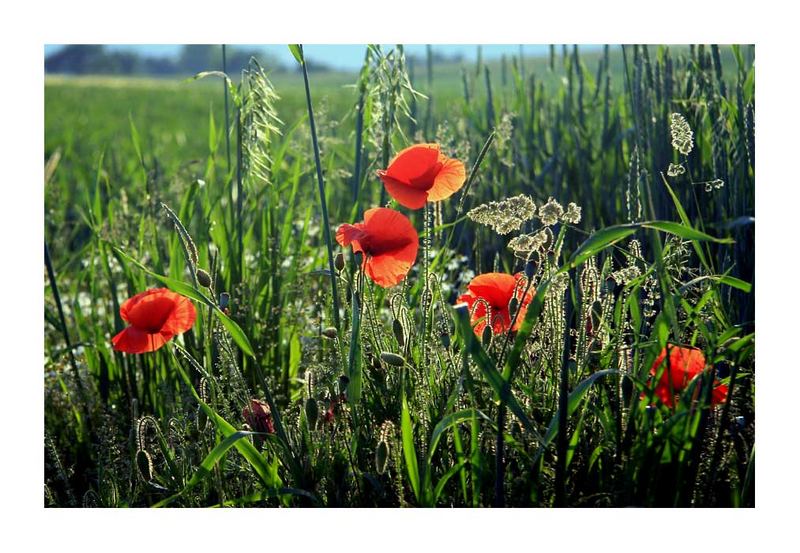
682 135
504 216
551 212
573 214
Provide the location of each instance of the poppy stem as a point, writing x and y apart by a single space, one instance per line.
326 227
465 191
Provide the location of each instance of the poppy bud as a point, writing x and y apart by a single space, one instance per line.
331 412
381 457
203 278
399 333
392 359
258 415
512 306
486 339
330 332
312 411
338 262
145 465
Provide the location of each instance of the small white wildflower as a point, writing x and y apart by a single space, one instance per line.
551 212
573 214
715 184
525 244
675 169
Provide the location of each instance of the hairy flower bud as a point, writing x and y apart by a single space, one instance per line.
203 278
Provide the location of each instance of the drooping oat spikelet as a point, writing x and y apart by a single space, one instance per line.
260 122
503 143
504 216
682 135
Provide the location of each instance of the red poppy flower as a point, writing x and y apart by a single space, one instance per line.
496 290
388 241
155 316
421 173
684 364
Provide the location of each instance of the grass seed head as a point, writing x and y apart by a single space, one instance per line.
551 212
572 215
682 135
504 216
312 412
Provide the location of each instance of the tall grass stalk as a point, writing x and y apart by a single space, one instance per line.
326 227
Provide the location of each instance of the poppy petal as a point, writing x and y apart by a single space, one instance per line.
346 233
388 231
182 317
129 304
389 242
411 198
413 164
496 288
719 394
134 340
448 181
388 270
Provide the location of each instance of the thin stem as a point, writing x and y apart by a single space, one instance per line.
563 392
54 287
227 116
325 223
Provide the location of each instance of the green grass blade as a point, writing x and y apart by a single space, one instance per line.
409 451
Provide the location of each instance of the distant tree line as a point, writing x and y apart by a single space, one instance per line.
96 59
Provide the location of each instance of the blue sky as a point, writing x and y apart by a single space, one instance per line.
340 56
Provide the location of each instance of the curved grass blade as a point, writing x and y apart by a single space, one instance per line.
573 401
490 372
449 421
267 494
248 450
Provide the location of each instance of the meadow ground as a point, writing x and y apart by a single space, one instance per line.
607 199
